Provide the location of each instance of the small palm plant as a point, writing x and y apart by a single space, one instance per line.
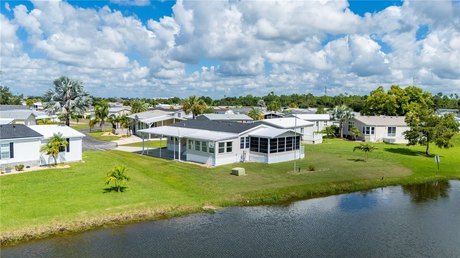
118 176
366 148
53 146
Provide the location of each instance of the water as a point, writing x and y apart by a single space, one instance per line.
411 221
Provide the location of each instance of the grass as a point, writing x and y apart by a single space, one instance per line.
53 201
148 144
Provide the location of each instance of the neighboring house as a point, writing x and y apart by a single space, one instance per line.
155 118
119 110
41 115
305 128
240 118
378 128
222 110
321 121
217 143
72 152
19 145
272 114
19 116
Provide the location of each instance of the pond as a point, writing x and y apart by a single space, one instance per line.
408 221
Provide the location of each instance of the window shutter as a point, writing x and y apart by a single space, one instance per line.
68 145
11 150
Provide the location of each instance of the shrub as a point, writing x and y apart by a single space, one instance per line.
19 167
311 168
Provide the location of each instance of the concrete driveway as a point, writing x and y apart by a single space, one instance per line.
89 143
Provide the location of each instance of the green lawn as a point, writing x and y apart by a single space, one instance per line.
148 144
51 201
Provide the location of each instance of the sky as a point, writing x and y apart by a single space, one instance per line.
147 48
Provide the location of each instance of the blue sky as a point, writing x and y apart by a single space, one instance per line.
215 48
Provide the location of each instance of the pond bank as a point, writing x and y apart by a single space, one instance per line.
281 196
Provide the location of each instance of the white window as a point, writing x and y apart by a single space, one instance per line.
221 147
368 130
190 144
197 145
211 147
204 146
5 151
392 131
247 143
229 146
351 124
302 130
241 142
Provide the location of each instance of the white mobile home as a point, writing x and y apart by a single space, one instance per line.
72 152
321 121
216 142
19 145
378 128
305 128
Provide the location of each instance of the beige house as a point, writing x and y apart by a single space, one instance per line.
378 128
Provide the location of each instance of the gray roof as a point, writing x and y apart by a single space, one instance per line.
21 114
218 126
382 120
224 117
12 131
151 114
13 107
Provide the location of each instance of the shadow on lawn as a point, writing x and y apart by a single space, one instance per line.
114 189
406 151
357 160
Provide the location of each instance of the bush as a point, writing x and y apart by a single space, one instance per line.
311 168
19 167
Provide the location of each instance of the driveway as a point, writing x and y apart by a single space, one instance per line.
89 143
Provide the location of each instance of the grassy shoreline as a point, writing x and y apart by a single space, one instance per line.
33 207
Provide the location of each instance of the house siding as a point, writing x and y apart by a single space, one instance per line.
74 154
26 152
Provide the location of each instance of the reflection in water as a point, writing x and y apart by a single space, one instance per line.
357 201
427 191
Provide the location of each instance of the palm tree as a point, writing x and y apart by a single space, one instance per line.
366 148
194 105
354 132
125 122
342 113
138 106
256 114
118 176
53 145
67 97
92 123
101 112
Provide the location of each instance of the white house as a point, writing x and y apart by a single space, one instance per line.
216 142
378 128
72 152
305 128
19 116
321 121
240 118
19 145
155 118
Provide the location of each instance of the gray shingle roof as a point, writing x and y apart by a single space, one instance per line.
382 120
17 131
224 117
218 126
18 114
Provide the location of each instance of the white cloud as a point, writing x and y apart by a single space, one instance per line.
307 44
131 2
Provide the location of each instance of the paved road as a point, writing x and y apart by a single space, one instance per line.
89 143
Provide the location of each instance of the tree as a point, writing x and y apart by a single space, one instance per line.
67 97
331 131
395 102
274 106
342 113
426 127
293 105
117 176
29 103
92 122
256 114
53 146
366 148
138 106
101 112
125 122
354 132
7 98
321 110
194 105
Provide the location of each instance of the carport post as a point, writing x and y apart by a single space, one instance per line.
142 143
161 138
179 143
